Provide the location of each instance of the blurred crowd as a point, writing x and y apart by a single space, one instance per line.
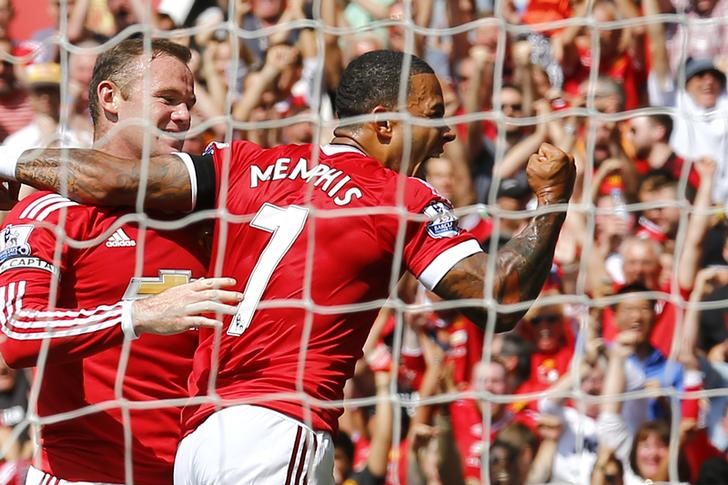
617 374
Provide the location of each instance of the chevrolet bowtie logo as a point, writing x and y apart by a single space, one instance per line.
144 286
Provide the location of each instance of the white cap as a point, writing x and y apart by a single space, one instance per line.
177 10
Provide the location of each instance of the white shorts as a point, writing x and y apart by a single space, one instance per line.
254 445
39 477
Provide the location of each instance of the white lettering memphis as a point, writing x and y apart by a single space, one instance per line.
28 263
120 240
333 182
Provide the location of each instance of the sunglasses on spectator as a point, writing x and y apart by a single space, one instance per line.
513 106
550 319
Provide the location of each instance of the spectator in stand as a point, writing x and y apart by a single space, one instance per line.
525 441
503 465
636 315
645 457
550 331
696 36
515 352
266 90
343 457
264 14
613 226
433 456
621 52
650 138
703 423
642 260
375 469
609 145
700 129
16 110
661 219
468 416
44 84
570 435
639 262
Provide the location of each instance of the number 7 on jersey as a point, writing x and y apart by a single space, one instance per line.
286 225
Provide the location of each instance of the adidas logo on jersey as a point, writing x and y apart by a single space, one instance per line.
120 240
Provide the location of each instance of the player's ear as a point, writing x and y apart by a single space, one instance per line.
383 127
109 95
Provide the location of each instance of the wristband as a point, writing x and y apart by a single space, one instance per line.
8 162
127 320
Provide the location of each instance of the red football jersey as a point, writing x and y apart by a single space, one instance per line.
67 300
314 246
469 433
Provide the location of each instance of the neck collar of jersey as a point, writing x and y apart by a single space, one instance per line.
336 148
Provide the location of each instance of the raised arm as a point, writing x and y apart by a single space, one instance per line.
523 264
698 225
95 177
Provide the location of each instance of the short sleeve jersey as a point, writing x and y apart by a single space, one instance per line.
315 241
62 312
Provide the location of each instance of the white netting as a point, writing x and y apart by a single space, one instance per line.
465 43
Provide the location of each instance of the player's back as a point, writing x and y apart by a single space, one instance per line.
308 239
76 375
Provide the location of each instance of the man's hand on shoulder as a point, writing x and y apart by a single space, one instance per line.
551 175
182 307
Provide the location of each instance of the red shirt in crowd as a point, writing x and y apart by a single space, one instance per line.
674 166
623 69
662 331
469 432
466 348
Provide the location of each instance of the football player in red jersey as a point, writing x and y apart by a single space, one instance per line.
315 271
71 307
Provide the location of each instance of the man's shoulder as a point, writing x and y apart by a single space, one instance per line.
420 194
50 210
43 206
243 150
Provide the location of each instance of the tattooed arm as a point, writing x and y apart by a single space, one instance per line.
523 264
95 177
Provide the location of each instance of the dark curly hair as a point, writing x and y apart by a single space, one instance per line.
373 79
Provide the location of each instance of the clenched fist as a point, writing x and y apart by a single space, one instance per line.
551 174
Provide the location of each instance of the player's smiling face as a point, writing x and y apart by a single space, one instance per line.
171 96
425 101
